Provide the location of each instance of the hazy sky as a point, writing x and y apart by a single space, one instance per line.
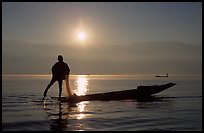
103 22
152 37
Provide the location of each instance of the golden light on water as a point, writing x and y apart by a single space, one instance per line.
81 88
81 85
81 108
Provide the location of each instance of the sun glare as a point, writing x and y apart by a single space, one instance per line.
81 36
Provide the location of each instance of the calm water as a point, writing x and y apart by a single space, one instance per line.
177 108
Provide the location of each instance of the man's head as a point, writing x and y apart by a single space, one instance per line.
60 58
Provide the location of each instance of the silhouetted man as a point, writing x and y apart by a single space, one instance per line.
60 71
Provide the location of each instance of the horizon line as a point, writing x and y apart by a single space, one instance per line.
46 75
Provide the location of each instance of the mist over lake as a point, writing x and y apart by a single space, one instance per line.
20 57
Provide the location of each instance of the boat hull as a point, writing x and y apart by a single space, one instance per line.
140 93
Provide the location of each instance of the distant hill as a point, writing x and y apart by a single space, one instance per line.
19 57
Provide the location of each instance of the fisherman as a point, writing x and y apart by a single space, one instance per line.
60 72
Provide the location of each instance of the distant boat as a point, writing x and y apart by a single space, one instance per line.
162 75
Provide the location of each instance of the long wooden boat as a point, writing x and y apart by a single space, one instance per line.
139 93
162 75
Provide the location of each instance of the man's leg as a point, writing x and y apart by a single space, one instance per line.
60 87
48 86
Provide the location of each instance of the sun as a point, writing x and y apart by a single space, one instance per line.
81 36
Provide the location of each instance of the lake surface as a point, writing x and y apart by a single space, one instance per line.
178 108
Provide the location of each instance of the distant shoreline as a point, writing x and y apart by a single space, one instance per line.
49 75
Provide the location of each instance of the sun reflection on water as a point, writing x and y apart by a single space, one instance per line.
81 85
81 108
81 88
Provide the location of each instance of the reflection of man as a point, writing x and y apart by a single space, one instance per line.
57 121
60 71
